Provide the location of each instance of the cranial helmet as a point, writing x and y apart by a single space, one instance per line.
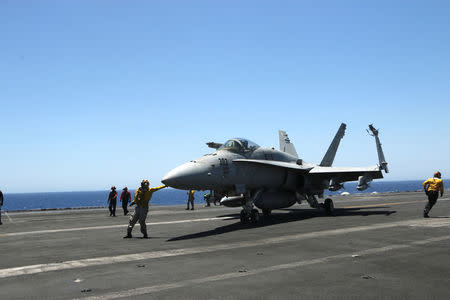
437 174
145 183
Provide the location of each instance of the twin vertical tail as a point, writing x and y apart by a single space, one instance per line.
285 143
328 159
381 159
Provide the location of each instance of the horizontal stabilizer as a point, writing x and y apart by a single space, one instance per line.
285 144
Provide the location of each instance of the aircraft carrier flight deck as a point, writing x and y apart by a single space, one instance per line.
373 246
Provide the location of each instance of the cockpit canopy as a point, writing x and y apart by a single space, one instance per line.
239 145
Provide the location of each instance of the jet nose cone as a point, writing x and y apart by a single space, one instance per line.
169 179
187 176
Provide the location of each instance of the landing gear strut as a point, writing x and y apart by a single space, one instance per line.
327 205
249 213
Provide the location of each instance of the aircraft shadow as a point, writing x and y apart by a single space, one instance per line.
280 218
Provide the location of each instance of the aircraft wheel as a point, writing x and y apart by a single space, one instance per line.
329 206
254 216
244 216
267 212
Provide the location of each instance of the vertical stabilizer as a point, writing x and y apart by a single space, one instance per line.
381 159
328 159
285 143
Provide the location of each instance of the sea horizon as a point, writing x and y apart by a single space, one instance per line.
119 188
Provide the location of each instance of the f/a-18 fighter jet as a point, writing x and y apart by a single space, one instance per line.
242 173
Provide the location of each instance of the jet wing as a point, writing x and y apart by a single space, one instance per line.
274 163
343 174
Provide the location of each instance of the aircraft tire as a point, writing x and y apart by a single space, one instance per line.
267 212
254 216
329 206
244 216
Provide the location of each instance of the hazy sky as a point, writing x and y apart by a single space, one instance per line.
95 93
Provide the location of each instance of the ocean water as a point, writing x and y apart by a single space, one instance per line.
37 201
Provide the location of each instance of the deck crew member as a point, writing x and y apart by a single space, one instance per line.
125 198
141 198
432 187
207 197
1 204
190 199
112 201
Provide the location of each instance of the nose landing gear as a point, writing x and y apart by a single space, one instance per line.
248 212
252 216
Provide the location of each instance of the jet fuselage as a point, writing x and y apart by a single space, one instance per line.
223 172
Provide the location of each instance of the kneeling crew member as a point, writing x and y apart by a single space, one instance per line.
141 198
432 188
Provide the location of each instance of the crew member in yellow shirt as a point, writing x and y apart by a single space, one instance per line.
142 197
190 199
432 187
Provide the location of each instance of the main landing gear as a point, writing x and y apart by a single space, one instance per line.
327 205
249 213
252 217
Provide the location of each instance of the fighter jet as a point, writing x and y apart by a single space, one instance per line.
241 173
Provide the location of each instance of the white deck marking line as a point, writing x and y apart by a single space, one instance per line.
297 264
392 203
109 226
180 221
72 211
9 218
383 204
106 260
